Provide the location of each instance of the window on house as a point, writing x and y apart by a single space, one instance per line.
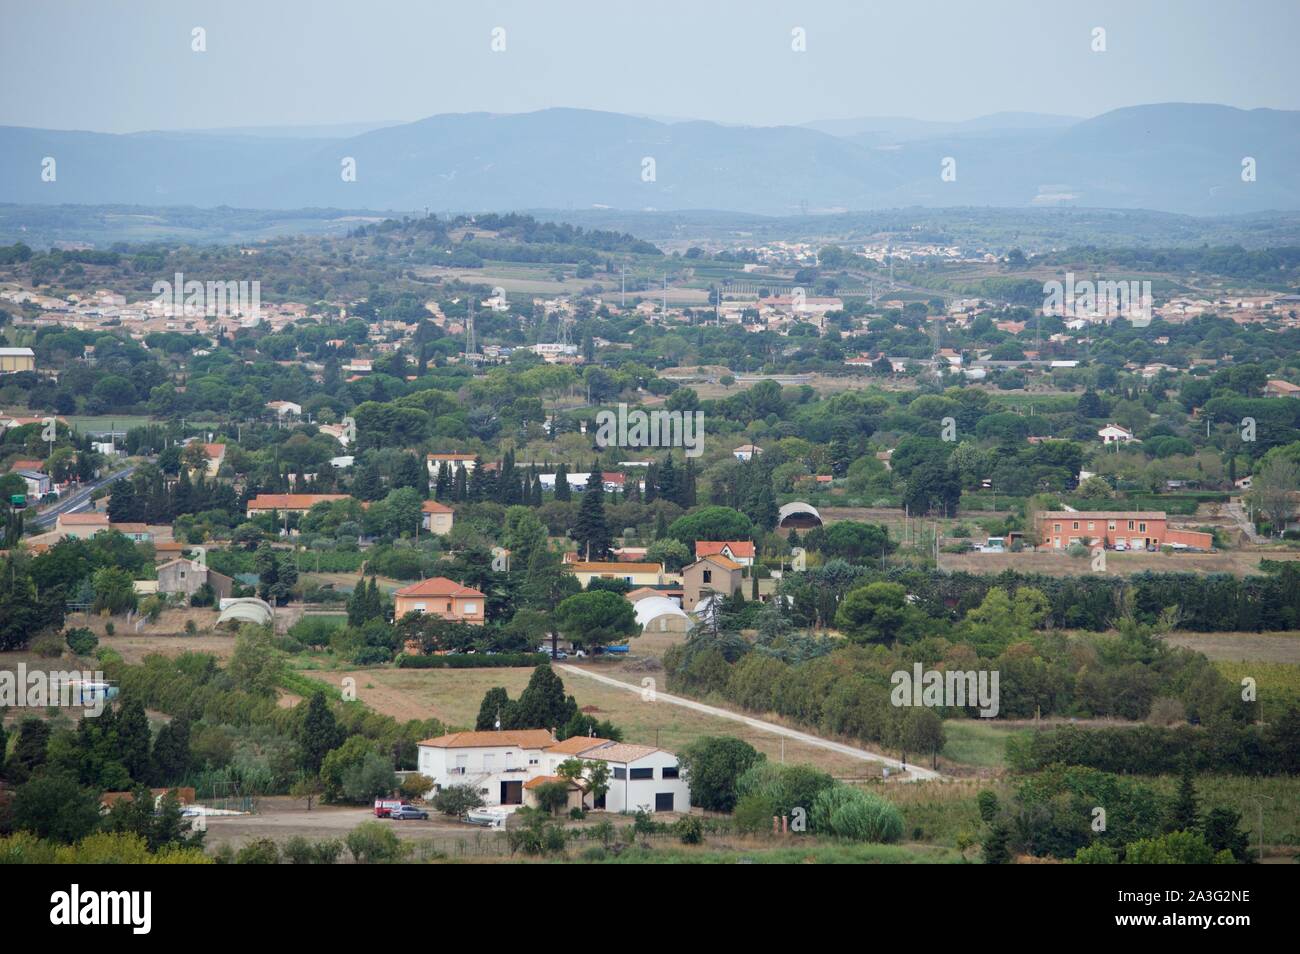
1056 527
620 772
1142 528
642 773
471 609
1111 525
670 771
708 576
1130 524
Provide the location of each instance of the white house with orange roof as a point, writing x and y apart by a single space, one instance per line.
740 551
503 766
495 764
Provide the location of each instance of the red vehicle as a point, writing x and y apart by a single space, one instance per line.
384 806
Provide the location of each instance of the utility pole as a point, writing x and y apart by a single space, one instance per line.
623 301
1259 802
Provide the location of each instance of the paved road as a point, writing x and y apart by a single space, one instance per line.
77 500
915 772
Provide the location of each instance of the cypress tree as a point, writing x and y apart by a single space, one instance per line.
589 528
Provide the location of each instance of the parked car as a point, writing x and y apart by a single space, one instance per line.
407 813
384 807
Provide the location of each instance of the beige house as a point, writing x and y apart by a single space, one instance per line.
289 503
83 526
436 517
636 574
13 360
707 575
186 577
441 597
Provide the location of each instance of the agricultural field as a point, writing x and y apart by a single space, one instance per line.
453 696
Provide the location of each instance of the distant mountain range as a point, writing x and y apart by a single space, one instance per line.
1172 157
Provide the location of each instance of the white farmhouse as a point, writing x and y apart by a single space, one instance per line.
499 765
1115 434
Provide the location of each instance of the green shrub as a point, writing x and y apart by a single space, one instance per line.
689 829
263 851
81 640
472 661
374 842
847 812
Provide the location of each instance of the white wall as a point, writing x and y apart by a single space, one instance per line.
627 795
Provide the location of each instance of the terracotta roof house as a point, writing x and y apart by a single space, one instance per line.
436 517
442 597
81 525
636 574
708 575
290 503
742 551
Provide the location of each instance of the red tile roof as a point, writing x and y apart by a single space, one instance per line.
291 501
740 548
438 586
516 738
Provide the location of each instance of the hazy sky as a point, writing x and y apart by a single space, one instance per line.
125 65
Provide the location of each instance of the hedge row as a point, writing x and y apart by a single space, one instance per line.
1272 749
472 661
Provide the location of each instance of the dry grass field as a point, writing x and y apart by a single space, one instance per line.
1278 648
453 696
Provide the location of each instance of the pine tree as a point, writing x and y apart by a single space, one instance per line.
122 505
494 708
668 486
542 705
477 480
507 480
761 505
589 528
562 491
459 487
320 733
687 496
1186 815
996 850
442 484
651 482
